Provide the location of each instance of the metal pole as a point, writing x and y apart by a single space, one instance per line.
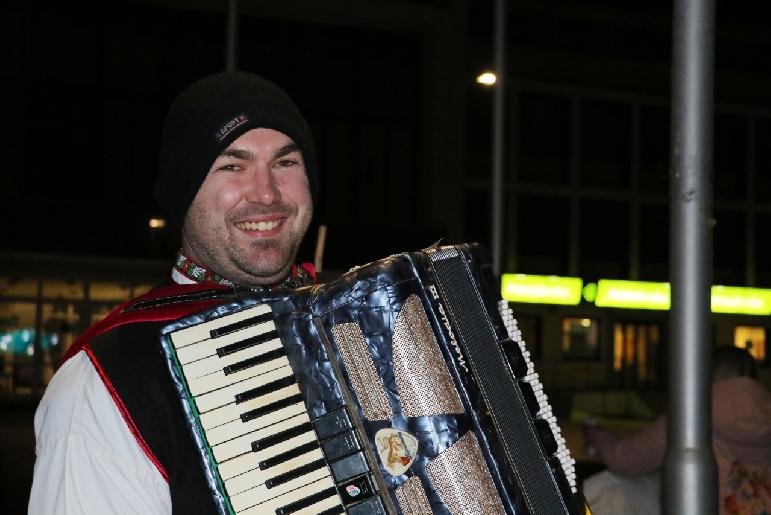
498 130
231 36
689 475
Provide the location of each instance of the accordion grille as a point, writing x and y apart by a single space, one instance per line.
424 383
461 478
362 371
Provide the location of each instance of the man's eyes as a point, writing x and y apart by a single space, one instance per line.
229 167
287 162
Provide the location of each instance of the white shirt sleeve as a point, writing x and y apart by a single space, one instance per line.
88 462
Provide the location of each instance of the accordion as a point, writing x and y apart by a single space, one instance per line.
402 387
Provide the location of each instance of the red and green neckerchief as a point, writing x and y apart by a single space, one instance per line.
302 275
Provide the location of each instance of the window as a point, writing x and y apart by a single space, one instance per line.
730 157
729 246
637 353
654 149
17 337
544 138
539 254
530 327
654 242
604 238
580 338
606 144
752 338
762 159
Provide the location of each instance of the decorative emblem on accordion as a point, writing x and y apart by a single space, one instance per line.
403 387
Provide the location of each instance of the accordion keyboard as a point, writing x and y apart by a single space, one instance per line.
269 455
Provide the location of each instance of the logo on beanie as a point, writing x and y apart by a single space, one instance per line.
231 126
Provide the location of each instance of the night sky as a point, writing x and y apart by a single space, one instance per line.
85 91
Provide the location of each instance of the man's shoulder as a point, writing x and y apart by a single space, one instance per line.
164 303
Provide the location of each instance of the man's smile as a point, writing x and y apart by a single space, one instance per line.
258 226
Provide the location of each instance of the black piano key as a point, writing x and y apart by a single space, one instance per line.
294 474
270 408
281 436
247 342
514 357
356 490
341 445
352 466
265 389
530 399
330 425
257 360
225 329
288 455
333 511
308 501
372 507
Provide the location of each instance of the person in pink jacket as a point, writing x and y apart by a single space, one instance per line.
741 438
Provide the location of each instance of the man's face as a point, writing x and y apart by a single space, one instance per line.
252 210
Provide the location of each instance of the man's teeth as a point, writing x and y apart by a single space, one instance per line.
258 226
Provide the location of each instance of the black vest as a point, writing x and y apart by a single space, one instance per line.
126 353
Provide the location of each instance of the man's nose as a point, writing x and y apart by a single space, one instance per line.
261 187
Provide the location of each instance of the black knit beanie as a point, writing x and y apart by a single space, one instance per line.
207 117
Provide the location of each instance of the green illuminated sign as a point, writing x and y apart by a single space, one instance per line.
541 289
747 301
611 293
632 294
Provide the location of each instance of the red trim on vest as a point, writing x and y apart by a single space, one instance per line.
119 316
125 413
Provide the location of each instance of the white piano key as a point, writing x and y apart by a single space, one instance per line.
243 443
237 428
196 333
257 477
233 411
209 347
261 494
238 465
214 363
219 379
270 507
226 395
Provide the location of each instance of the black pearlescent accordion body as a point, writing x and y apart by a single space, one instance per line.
401 387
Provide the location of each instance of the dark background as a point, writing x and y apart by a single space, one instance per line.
402 129
403 132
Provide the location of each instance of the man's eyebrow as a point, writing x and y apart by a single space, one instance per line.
286 150
244 155
247 155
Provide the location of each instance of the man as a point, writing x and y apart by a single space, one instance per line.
237 169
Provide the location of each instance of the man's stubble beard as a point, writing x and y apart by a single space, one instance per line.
264 262
245 266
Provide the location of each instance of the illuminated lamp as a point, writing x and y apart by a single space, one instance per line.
740 300
486 79
541 289
157 223
632 294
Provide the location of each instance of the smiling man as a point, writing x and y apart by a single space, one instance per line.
251 211
237 172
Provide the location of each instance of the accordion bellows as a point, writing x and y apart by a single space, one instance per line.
402 387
